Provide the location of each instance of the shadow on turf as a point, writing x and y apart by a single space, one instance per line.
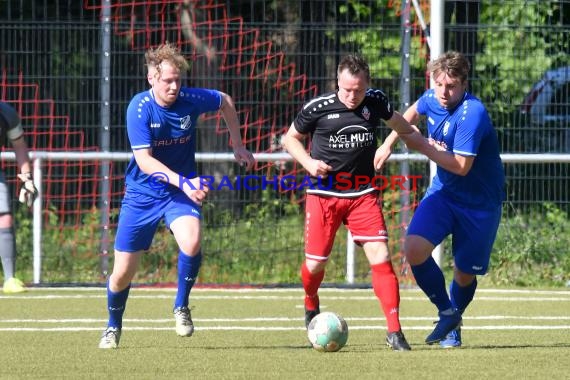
425 347
521 346
256 347
348 349
380 347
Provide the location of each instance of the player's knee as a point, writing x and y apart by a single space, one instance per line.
119 281
314 266
124 269
417 249
376 252
190 247
463 279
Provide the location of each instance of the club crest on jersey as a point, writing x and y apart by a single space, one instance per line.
366 112
445 128
185 122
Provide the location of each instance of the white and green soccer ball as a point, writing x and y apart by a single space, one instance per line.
327 332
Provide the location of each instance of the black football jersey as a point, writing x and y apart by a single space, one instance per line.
345 139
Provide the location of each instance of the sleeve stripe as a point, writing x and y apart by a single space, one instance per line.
319 99
463 153
15 133
140 146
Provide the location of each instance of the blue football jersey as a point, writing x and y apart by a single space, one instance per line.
466 130
169 131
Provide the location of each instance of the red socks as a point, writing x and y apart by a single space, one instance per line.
384 283
311 283
386 288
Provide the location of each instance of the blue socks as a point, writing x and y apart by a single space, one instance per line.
188 268
116 303
461 297
430 279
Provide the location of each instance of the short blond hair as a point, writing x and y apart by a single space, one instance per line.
452 63
165 52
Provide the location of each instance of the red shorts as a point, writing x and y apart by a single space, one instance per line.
362 216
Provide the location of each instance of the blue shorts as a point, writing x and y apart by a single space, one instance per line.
140 215
472 231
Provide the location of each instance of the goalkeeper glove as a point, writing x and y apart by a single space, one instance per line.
28 192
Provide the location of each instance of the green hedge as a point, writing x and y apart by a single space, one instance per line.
265 246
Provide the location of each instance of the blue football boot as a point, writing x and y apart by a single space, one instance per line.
445 324
453 339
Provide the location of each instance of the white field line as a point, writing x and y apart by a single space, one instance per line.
271 298
77 322
284 319
245 289
240 294
274 328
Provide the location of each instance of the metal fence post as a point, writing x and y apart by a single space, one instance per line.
37 222
104 139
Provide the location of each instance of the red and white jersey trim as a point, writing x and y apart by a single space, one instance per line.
340 195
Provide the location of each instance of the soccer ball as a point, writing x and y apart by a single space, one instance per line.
327 332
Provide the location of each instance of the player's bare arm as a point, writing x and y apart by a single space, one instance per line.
455 163
28 191
452 162
381 156
385 150
293 143
408 133
412 117
21 152
150 165
229 113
